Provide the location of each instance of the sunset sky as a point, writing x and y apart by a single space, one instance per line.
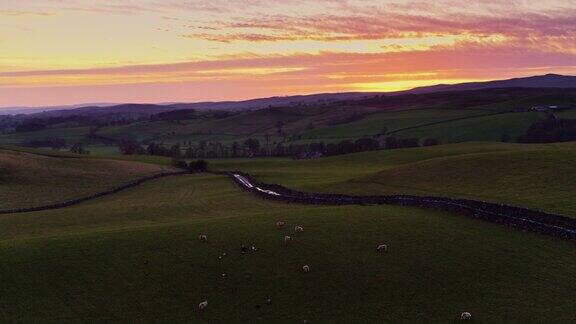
56 52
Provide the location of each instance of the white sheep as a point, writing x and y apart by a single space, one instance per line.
280 224
306 268
203 305
287 240
203 238
382 248
465 316
298 229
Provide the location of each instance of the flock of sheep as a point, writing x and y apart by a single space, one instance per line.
202 306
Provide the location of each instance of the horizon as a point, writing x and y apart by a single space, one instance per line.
112 104
59 53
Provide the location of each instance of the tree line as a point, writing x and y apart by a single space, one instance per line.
551 130
252 147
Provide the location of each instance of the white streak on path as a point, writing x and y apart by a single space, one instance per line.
248 185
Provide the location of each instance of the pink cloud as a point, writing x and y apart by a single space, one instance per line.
412 19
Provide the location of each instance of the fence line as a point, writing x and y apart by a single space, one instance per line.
512 216
76 201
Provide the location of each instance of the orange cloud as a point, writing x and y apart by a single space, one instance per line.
249 77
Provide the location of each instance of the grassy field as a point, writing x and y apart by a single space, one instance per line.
391 121
450 117
28 179
304 125
71 135
447 125
135 257
483 128
534 176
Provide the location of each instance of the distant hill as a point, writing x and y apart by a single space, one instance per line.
541 81
145 110
34 110
151 109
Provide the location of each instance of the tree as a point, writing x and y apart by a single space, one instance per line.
78 148
130 147
366 144
178 163
189 151
199 166
253 145
267 137
409 142
550 130
235 149
331 149
345 147
175 151
430 142
391 142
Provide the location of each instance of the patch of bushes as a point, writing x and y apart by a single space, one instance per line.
198 166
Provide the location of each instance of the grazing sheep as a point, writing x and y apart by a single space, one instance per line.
280 224
203 305
203 238
306 268
382 248
465 316
298 229
286 240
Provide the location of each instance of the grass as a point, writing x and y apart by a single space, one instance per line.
534 176
486 128
134 257
448 125
29 179
391 121
71 135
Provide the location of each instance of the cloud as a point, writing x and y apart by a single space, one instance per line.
278 47
554 27
9 13
340 68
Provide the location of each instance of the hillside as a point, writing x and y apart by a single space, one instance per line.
448 117
534 176
28 179
135 257
540 81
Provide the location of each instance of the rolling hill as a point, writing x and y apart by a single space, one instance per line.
29 179
540 81
448 117
533 176
135 257
536 82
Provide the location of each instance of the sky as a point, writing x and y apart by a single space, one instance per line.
57 52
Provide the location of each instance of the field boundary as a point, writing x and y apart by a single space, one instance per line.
77 201
394 131
516 217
